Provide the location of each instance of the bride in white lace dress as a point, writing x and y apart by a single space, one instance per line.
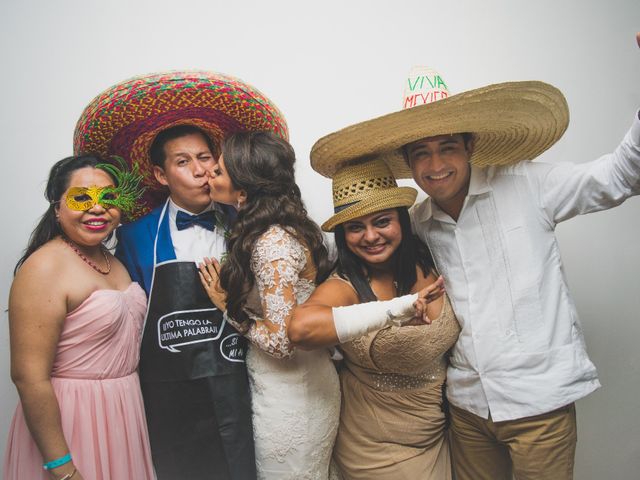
275 259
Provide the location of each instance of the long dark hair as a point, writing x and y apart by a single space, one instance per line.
262 164
58 182
410 252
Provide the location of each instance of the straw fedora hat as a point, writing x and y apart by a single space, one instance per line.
510 122
125 119
363 188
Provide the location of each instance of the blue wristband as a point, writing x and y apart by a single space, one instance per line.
57 462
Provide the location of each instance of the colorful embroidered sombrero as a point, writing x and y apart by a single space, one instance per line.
510 122
125 119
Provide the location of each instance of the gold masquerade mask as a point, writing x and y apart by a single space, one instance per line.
125 196
82 199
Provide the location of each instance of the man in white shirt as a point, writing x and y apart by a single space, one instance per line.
520 361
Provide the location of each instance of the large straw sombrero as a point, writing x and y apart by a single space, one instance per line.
125 119
363 188
511 122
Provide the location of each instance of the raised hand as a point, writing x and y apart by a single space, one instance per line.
427 295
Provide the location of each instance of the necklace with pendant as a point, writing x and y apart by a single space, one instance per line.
75 248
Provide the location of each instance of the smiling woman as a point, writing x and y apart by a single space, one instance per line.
72 312
384 306
375 237
83 215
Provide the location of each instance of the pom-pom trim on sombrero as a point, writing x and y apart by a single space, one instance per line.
511 122
125 119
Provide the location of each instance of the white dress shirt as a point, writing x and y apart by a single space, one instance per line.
521 351
195 242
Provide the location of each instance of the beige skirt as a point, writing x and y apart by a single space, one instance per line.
392 435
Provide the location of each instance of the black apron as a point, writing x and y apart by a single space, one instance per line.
194 382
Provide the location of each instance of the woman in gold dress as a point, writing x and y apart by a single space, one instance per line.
384 305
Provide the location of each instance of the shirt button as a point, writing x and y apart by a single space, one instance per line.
508 333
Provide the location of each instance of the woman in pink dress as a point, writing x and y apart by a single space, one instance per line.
75 320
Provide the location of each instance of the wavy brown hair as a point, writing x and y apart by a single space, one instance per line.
262 164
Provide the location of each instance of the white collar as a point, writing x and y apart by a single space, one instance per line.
174 209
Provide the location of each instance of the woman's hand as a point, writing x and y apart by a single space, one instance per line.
77 476
425 296
64 470
210 279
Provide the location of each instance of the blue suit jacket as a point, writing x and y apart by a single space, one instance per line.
135 243
135 246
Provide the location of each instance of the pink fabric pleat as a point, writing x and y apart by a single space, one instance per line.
95 381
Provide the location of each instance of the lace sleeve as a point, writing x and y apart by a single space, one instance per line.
276 263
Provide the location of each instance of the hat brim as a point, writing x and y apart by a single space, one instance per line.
374 202
125 119
510 121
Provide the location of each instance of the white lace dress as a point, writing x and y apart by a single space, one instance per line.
295 393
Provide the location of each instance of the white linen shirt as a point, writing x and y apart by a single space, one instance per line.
521 351
195 242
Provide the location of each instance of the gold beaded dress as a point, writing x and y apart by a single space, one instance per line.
392 425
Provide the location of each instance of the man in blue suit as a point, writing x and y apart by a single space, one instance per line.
192 371
194 383
181 157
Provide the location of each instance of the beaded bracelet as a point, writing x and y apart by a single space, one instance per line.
57 462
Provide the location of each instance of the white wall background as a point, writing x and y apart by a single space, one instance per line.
332 63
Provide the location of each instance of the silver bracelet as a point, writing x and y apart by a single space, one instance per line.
69 475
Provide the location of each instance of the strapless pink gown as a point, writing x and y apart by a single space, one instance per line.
95 380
